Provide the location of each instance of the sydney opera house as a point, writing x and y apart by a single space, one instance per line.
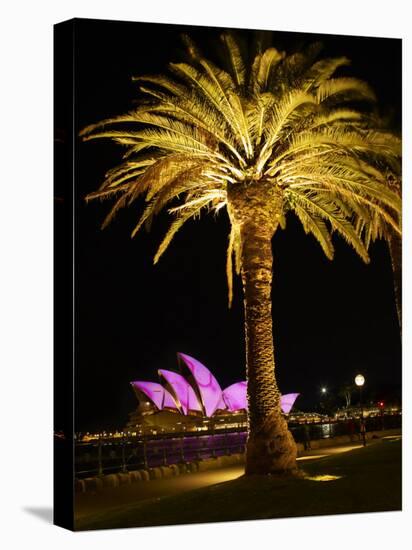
193 393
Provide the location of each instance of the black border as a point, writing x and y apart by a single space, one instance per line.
64 281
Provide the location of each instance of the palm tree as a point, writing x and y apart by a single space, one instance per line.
281 135
346 392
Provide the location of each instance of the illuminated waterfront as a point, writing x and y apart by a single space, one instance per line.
120 451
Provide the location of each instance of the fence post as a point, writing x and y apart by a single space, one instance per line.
182 454
164 452
144 451
99 456
213 440
197 448
124 468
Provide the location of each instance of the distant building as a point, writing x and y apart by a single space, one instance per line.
194 395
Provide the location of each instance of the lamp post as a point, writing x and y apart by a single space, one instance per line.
323 392
325 407
359 381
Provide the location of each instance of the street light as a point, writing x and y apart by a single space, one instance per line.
323 390
359 381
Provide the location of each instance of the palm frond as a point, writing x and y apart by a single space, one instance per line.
162 82
211 89
267 63
351 88
233 251
288 124
257 111
236 61
227 93
281 113
315 225
176 225
330 212
323 70
191 109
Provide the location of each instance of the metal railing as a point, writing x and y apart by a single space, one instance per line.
335 428
109 455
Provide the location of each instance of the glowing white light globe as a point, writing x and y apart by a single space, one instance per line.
359 380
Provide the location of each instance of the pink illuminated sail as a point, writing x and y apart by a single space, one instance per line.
236 400
235 396
203 381
287 401
197 390
169 402
150 390
181 390
221 406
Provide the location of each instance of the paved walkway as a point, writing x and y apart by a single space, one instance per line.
88 505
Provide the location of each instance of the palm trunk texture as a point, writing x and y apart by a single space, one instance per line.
270 446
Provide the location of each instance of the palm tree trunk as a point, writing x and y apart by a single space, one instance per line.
395 249
270 445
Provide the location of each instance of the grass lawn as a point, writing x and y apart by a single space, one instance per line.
363 480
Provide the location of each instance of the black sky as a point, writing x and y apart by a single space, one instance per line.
331 319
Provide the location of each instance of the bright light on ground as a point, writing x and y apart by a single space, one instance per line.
323 478
342 449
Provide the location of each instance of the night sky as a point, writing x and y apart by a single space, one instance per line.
331 319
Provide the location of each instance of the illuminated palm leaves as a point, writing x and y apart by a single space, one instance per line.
286 120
